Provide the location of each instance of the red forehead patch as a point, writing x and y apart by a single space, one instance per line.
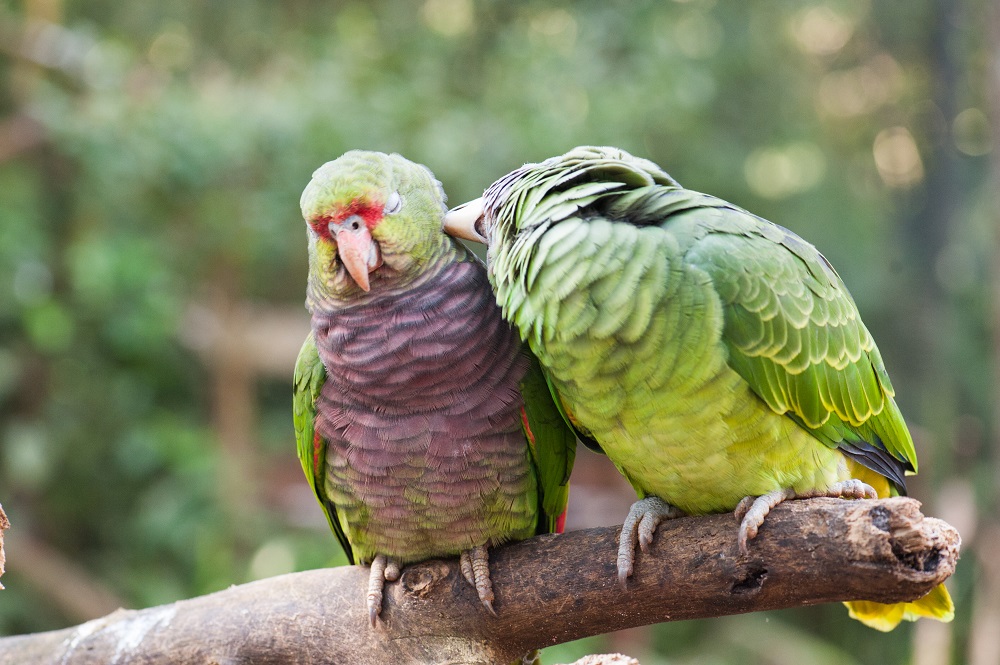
370 211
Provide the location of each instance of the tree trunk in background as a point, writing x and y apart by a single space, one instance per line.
233 400
929 228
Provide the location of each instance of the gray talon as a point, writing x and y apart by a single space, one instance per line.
475 566
376 582
640 525
751 511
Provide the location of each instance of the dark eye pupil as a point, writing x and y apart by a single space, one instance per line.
354 225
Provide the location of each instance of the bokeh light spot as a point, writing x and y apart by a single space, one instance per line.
971 130
897 158
820 30
779 172
448 17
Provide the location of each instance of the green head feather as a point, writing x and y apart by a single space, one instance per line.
388 209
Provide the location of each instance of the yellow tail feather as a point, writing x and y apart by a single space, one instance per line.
935 605
879 483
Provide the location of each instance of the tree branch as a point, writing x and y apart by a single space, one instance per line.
550 589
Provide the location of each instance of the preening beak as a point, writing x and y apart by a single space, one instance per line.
358 252
461 221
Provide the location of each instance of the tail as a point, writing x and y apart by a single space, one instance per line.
935 605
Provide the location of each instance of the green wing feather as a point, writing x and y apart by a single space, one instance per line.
792 330
310 375
552 443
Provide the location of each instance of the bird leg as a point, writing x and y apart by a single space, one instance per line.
383 569
751 511
640 524
475 565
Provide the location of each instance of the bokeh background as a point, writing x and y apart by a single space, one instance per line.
152 256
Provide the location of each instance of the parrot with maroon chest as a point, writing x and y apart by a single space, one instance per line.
423 426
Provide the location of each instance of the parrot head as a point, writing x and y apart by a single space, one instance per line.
497 215
373 221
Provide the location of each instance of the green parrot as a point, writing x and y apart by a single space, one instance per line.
716 358
423 425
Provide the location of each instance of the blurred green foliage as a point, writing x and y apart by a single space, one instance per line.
151 160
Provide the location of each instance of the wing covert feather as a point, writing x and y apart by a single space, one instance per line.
791 329
805 352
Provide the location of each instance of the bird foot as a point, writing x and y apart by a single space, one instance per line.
640 524
751 511
383 570
475 565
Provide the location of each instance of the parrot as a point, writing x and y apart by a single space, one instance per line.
423 424
716 358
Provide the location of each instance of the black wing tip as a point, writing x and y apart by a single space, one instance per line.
591 443
875 456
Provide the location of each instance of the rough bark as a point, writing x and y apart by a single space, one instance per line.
549 589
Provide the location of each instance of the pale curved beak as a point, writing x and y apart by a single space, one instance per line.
461 221
358 251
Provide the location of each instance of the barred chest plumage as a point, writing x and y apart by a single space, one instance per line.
422 413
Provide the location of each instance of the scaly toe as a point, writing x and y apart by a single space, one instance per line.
646 531
640 525
475 565
465 565
392 570
747 533
855 489
626 559
376 582
754 516
742 507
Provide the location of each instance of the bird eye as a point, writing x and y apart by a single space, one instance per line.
394 204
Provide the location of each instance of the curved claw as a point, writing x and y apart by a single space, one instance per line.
640 526
754 512
376 582
475 566
742 507
851 489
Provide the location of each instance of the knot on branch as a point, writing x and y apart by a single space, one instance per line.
894 530
751 581
420 579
